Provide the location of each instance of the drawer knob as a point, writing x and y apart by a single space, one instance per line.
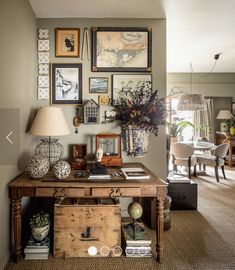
116 194
60 194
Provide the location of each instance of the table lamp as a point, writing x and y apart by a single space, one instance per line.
224 115
50 122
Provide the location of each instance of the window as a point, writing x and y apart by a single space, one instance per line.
173 113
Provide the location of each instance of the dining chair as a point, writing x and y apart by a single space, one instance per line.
182 155
216 160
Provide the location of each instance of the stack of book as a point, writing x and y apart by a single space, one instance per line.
37 250
140 246
134 173
99 172
178 178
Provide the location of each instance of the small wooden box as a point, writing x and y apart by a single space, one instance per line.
82 223
79 152
111 145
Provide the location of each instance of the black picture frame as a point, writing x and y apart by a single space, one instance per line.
66 83
135 43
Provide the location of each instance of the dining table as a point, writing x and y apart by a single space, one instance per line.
201 146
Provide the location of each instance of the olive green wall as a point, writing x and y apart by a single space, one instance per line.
17 90
155 159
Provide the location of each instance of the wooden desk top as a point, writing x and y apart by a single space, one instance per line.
50 181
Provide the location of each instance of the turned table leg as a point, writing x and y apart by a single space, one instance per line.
16 220
159 228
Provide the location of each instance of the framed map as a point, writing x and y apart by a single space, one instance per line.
122 49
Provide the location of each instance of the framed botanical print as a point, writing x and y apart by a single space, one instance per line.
122 49
129 82
98 85
67 42
66 84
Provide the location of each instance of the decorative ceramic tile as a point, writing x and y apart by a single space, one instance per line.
43 69
43 57
43 81
43 33
43 45
43 93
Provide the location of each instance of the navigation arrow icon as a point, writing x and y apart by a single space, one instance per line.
7 137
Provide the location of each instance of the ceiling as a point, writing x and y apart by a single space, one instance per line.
196 29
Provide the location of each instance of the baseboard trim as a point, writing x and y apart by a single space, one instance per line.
4 260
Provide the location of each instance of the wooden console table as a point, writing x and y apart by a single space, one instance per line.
225 137
73 187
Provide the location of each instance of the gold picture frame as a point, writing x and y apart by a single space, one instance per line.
67 42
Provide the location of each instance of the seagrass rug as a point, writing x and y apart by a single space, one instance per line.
203 239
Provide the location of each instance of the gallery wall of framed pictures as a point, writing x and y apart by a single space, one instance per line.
115 50
100 95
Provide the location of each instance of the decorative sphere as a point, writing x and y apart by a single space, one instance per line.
61 169
135 210
37 166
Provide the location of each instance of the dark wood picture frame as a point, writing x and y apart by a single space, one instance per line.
233 108
67 42
92 90
134 43
66 78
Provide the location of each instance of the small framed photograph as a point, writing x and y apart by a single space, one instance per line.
67 41
66 84
129 82
122 49
233 108
98 85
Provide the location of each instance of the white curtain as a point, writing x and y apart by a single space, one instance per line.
203 122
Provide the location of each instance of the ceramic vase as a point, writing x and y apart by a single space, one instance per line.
136 140
39 234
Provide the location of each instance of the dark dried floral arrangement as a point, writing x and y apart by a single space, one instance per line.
140 107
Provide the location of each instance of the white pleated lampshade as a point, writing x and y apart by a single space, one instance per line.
224 114
191 102
49 121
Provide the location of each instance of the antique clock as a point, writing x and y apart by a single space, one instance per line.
111 145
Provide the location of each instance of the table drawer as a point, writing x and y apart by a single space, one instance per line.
124 192
60 192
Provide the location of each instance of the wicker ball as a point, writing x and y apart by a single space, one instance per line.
37 166
61 169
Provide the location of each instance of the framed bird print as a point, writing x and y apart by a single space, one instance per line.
67 42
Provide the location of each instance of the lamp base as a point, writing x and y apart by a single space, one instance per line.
224 127
51 149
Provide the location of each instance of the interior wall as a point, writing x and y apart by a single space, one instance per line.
214 84
219 86
18 32
155 159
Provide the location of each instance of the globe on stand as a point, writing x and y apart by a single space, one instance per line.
135 211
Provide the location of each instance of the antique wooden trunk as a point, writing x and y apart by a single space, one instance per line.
86 227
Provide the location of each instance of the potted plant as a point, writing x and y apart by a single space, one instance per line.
139 111
40 225
175 129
